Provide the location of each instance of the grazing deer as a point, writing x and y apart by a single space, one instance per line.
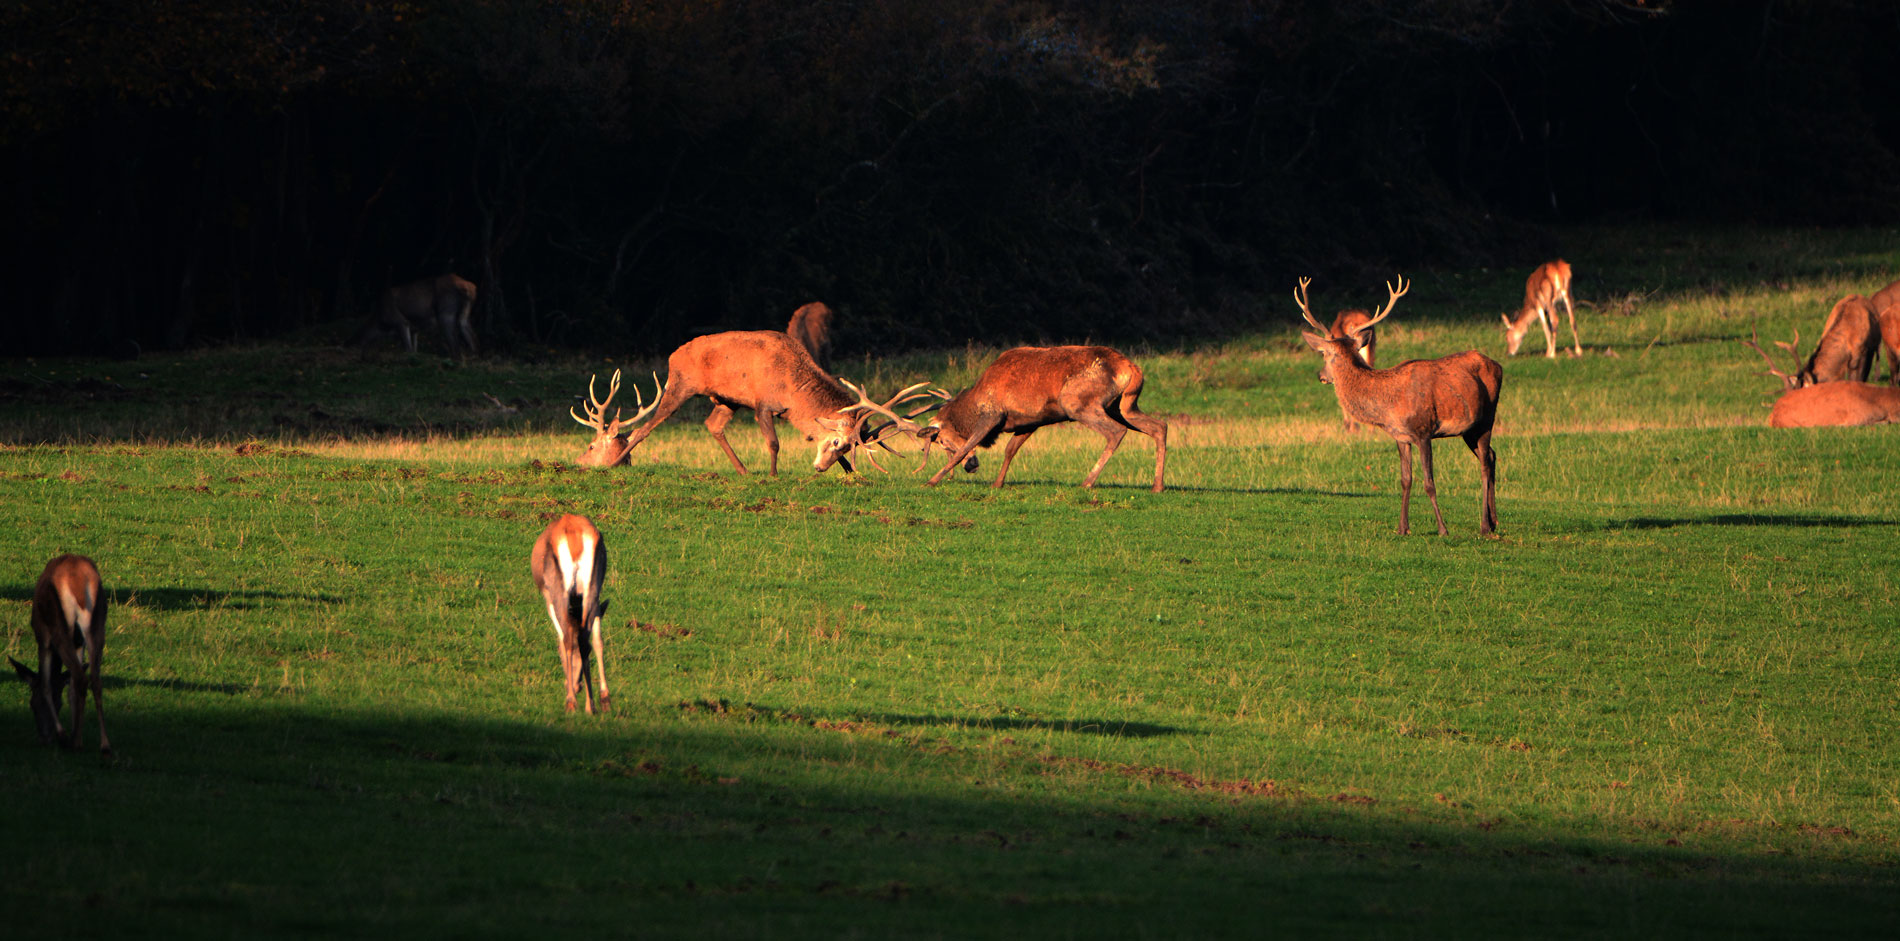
69 626
1415 402
811 327
569 563
1029 387
1850 340
1549 284
763 370
444 301
1827 404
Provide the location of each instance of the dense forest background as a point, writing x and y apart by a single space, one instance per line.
628 173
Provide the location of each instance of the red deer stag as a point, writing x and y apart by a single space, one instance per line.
1549 284
1029 387
1828 404
763 370
1356 325
444 301
569 563
811 327
69 626
1850 341
1416 401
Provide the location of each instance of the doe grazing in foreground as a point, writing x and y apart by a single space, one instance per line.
1029 387
69 627
811 327
569 563
445 302
1828 404
1415 402
763 370
1549 284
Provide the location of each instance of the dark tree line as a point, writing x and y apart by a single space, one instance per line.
628 173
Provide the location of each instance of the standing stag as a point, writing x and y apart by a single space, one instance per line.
1029 387
1827 404
763 370
1416 401
1549 284
569 563
444 301
811 327
69 627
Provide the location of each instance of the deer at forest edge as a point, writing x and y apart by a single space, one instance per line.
763 370
1416 401
811 327
1547 285
69 627
1827 404
445 301
569 563
1029 387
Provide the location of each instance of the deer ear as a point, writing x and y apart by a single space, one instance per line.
1313 340
1506 318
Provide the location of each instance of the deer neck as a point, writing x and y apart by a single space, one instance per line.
1361 390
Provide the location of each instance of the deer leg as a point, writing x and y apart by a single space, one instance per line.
1571 312
1154 428
1431 484
1550 336
716 423
969 445
50 692
1016 441
95 653
78 681
600 663
768 426
1480 446
1405 488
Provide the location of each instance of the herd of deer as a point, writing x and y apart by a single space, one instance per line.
784 375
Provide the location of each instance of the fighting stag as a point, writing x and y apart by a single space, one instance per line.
1029 387
763 370
811 327
1549 284
446 302
69 626
1416 401
1827 404
569 563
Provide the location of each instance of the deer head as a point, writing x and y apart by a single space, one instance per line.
849 434
609 447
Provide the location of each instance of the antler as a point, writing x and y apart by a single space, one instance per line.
865 408
1752 343
1392 300
597 408
1299 296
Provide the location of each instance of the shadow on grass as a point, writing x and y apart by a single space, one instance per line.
1799 520
1110 727
186 599
115 682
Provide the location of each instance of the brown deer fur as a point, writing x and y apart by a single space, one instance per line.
1850 341
446 301
811 327
1354 324
1415 402
1547 285
763 370
1029 387
69 627
569 564
1836 404
1886 303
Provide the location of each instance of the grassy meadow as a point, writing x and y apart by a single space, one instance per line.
1665 701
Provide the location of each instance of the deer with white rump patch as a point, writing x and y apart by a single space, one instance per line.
69 627
1416 401
569 563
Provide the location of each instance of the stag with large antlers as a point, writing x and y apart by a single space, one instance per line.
763 370
569 563
1030 387
1826 404
1415 402
1549 284
1850 341
69 627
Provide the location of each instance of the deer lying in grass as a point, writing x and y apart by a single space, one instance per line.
1827 404
1029 387
763 370
1549 284
569 563
1415 402
811 327
445 301
69 627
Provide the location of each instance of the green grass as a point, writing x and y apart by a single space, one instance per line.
1664 702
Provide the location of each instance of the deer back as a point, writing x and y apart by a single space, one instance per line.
1836 404
1029 387
1849 340
569 561
69 604
758 369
